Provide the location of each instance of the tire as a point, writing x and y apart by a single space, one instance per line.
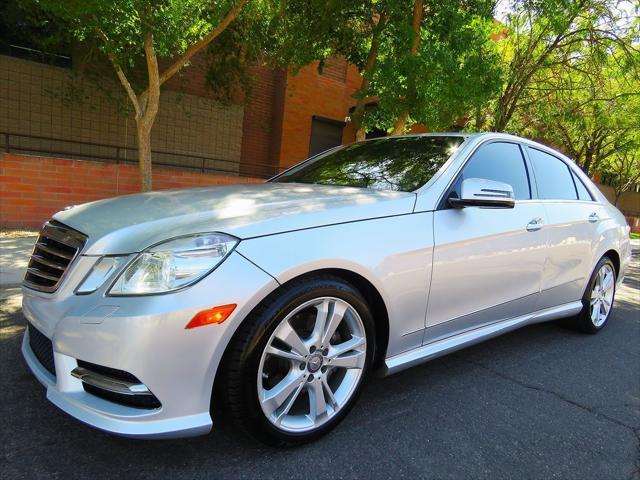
259 362
593 318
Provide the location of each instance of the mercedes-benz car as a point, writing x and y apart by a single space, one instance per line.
277 300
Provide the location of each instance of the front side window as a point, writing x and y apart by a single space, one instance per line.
553 177
500 162
400 164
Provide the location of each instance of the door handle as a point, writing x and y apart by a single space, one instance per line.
593 218
535 225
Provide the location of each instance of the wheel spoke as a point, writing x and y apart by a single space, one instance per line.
329 316
335 317
274 397
289 355
595 311
321 320
290 401
329 392
317 401
288 335
353 359
600 278
345 347
607 281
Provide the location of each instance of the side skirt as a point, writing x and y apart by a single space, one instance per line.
458 341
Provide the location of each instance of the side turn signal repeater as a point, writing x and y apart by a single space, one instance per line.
213 315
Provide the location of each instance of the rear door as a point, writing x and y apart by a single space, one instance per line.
572 218
487 262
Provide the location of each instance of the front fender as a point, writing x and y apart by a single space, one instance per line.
394 254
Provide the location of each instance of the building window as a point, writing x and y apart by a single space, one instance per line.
325 134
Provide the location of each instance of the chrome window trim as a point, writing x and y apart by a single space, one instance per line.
441 204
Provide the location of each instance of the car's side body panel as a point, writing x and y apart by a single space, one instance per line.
393 254
488 261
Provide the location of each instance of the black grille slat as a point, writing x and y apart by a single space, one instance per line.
42 348
53 251
48 263
56 248
41 274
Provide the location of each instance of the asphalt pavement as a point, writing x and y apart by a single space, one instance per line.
542 402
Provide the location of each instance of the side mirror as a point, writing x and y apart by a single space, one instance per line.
479 192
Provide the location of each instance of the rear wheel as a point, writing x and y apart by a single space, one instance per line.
298 362
598 298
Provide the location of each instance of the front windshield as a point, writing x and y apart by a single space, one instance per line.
401 164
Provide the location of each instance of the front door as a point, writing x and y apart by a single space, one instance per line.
487 262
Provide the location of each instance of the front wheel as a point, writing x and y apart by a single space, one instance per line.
598 298
298 362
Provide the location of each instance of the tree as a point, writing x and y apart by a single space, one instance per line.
134 35
588 105
431 77
438 61
623 171
539 35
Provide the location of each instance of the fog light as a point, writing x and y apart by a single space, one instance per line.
213 315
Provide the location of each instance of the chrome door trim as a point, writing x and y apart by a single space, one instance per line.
438 348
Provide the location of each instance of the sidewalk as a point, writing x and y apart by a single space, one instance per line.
15 251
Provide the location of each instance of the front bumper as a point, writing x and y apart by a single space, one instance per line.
146 337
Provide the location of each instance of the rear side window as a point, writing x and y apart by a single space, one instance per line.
553 177
583 193
501 162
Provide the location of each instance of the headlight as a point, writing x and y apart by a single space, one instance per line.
174 264
100 272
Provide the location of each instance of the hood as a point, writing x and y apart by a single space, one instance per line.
131 223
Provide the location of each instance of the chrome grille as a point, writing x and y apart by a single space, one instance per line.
56 248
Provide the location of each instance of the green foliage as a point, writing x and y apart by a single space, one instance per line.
119 27
454 69
584 97
547 35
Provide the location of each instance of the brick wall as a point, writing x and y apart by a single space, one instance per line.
262 122
48 101
309 93
34 188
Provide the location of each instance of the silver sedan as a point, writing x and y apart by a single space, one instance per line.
279 299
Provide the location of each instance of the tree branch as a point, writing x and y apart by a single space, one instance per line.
203 42
121 75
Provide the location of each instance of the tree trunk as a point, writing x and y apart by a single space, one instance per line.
418 11
372 57
144 155
146 104
401 122
617 199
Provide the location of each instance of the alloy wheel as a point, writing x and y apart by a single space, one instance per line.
602 295
312 364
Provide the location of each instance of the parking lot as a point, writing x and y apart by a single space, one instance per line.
541 402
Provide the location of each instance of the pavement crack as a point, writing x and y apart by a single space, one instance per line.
591 410
635 473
